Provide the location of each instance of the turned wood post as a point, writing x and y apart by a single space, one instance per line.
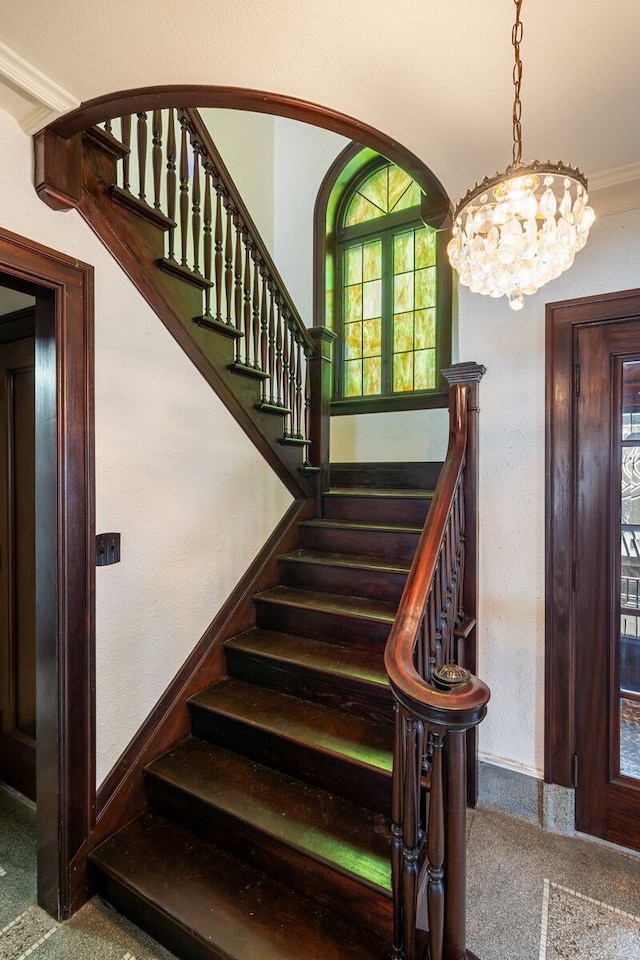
469 375
320 374
455 866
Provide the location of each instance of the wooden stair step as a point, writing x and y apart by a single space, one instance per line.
360 621
332 749
342 677
408 475
344 573
339 536
204 904
328 848
379 506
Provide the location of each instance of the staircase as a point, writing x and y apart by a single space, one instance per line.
268 831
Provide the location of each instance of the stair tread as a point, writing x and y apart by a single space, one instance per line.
351 560
334 732
328 658
314 823
379 610
381 493
235 911
361 525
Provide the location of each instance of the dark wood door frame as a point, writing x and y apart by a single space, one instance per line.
563 320
65 562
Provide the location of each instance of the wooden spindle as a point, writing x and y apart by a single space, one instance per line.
125 136
264 335
108 128
255 310
298 385
246 292
238 284
156 156
184 192
218 255
142 155
291 401
279 357
171 182
435 852
455 867
307 410
397 833
271 361
410 830
195 209
208 240
285 371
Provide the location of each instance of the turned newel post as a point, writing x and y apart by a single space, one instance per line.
320 377
469 375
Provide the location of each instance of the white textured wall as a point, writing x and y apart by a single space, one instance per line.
193 499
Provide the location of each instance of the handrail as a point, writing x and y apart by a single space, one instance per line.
437 702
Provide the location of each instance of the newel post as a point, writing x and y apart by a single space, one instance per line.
469 375
320 377
57 174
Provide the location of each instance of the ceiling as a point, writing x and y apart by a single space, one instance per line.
434 75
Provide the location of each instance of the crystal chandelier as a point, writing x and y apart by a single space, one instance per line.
519 229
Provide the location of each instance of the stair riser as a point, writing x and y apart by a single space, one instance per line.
363 785
339 628
376 509
365 700
373 543
303 872
347 581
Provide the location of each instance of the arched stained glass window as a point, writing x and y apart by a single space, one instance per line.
387 294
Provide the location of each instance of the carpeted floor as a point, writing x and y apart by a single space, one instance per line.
532 896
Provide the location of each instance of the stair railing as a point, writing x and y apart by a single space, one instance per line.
437 701
171 165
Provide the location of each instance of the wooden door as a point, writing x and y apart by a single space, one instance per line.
606 558
17 567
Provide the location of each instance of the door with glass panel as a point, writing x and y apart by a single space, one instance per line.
607 582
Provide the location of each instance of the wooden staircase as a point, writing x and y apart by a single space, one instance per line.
268 830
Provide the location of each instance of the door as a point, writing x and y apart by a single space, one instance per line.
17 567
606 559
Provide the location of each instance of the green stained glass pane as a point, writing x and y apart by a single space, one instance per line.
372 260
360 210
371 378
353 265
425 369
353 303
376 189
425 329
425 247
353 341
353 378
399 181
410 198
425 287
403 292
402 332
372 299
402 372
372 338
403 252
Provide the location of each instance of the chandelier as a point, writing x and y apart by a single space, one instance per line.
519 229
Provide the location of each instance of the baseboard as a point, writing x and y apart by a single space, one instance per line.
521 792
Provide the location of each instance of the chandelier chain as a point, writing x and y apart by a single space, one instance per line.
516 39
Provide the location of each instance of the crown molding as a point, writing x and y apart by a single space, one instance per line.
49 99
616 190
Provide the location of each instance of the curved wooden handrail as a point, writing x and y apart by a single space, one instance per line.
465 705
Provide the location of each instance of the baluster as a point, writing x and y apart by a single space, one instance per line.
156 156
437 636
255 309
142 155
264 334
108 127
410 830
435 852
291 402
271 362
184 191
218 254
195 208
430 662
285 373
238 284
171 182
228 265
307 410
396 831
247 302
298 385
125 136
207 242
279 359
455 866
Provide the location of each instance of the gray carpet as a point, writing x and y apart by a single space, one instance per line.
532 896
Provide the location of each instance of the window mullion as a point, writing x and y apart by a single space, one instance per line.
387 313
